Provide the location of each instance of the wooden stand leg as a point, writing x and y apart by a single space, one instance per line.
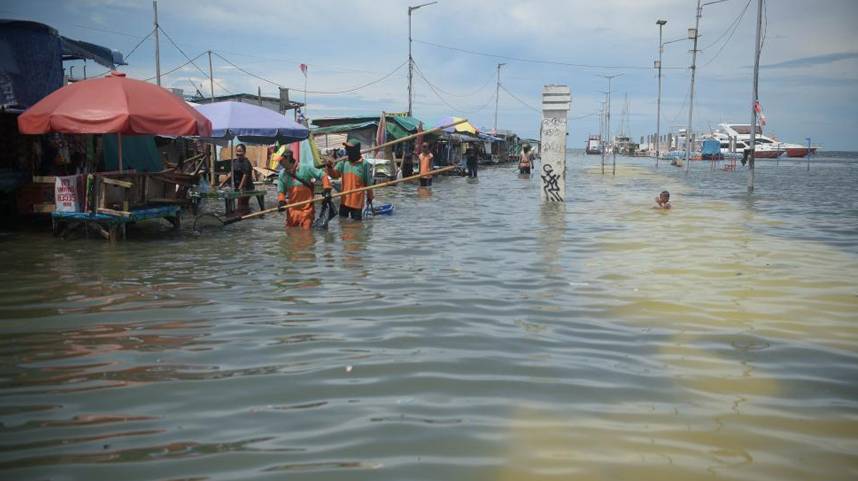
176 221
104 233
229 206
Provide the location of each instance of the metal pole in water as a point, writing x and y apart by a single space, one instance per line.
755 97
660 24
694 35
602 135
808 153
556 101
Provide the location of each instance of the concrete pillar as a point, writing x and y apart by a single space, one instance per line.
556 101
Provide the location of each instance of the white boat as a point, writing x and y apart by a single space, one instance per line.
594 145
766 147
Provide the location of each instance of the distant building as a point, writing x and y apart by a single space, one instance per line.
272 103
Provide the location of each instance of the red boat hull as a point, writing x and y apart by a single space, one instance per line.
799 152
767 154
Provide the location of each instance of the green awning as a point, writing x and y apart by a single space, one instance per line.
343 128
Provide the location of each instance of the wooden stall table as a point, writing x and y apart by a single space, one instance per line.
110 224
229 197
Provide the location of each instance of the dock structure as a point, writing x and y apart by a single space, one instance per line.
556 101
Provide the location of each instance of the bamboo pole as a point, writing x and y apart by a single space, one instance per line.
362 189
338 194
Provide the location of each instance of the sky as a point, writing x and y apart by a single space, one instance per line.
357 55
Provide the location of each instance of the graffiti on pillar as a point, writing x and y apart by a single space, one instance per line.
553 133
551 183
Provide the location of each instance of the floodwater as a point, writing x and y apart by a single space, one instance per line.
475 334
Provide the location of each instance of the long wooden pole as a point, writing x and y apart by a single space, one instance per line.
339 194
362 189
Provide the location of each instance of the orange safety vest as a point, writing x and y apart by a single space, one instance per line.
355 175
303 215
425 164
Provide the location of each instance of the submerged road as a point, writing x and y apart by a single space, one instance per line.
475 334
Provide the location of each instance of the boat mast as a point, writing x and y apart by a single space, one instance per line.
755 97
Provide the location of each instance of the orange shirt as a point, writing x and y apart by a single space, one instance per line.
425 163
355 175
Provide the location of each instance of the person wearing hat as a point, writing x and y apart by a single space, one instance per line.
298 183
356 173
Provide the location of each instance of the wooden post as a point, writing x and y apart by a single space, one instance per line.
556 100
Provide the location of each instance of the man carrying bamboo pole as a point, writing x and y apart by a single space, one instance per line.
356 173
298 184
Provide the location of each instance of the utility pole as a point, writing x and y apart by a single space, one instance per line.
212 175
497 97
608 111
755 97
660 24
410 58
693 34
601 133
157 45
211 75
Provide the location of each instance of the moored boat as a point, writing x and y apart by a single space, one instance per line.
594 145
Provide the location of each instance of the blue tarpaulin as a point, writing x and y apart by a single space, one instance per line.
711 147
31 64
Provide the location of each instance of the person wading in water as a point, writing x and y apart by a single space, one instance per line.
356 173
525 161
297 183
426 158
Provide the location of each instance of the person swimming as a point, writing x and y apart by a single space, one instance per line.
663 200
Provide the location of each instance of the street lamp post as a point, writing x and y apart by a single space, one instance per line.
660 24
410 58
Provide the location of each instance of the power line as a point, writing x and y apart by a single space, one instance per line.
206 75
174 69
125 57
549 62
585 116
139 44
522 102
735 26
729 27
471 94
124 34
317 92
435 90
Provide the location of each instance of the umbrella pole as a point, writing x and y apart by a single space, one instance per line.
119 146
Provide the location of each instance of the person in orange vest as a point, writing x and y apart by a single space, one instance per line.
298 184
426 158
356 173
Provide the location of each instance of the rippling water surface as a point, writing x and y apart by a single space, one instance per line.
476 334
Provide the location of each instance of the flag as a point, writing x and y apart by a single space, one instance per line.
303 68
759 109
